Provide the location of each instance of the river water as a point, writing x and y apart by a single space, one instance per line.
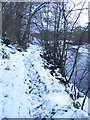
83 66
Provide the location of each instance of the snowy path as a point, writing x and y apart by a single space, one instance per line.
29 90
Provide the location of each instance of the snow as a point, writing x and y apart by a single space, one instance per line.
28 90
82 49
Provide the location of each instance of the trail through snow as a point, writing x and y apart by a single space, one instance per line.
28 90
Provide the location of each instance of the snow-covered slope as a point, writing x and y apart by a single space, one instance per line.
28 90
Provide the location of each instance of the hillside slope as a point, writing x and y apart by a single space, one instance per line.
28 90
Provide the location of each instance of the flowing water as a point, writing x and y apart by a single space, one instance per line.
83 69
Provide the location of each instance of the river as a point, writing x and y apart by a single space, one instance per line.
83 66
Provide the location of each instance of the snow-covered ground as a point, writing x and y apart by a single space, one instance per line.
28 90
